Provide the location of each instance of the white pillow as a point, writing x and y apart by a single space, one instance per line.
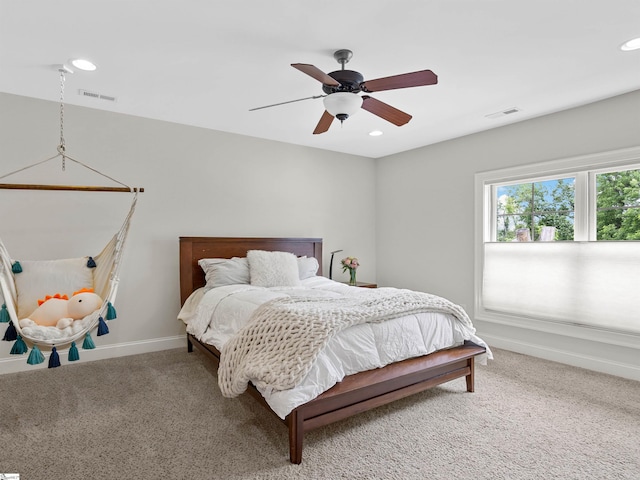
273 269
307 267
225 271
40 278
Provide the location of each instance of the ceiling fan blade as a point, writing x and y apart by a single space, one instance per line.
324 123
384 111
405 80
316 73
284 103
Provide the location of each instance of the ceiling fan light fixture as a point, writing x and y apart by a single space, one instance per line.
342 104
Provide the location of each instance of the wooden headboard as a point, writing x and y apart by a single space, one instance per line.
193 249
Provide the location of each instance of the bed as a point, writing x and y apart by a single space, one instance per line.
356 392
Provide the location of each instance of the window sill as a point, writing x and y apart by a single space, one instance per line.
593 334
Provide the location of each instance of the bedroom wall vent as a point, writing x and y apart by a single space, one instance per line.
99 96
504 113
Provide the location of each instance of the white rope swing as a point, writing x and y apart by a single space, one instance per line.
105 280
102 270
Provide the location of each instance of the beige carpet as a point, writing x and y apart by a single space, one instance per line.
161 416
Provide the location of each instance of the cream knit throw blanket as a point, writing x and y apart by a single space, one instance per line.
278 346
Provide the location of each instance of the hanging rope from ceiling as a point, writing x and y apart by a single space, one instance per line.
62 154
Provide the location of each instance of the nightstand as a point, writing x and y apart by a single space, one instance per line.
364 284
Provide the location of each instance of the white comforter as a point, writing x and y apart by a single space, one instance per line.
215 315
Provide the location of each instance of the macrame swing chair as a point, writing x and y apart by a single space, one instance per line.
24 283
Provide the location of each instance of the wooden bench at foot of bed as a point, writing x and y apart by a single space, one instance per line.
366 390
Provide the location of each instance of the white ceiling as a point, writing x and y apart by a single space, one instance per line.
207 62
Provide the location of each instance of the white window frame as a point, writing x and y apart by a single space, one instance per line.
583 168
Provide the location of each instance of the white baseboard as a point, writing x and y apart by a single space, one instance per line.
18 363
562 356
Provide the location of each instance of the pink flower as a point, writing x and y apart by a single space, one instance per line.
349 263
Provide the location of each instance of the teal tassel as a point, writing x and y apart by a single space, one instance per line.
73 352
88 342
91 263
19 347
16 267
4 314
54 358
11 334
102 327
36 356
111 312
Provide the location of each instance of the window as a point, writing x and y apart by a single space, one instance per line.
545 210
558 242
527 208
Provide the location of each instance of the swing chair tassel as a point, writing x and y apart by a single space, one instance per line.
73 352
4 314
19 348
16 267
88 342
35 357
102 327
54 358
11 334
111 312
91 263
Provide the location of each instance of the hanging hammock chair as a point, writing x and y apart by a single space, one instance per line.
28 283
61 286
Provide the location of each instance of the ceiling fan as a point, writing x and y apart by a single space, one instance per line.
341 88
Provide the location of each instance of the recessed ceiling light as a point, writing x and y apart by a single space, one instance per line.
375 133
83 64
632 44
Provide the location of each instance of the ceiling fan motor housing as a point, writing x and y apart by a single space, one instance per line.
349 82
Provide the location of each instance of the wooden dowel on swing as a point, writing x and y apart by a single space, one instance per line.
78 188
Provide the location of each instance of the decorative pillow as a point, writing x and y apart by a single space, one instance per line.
307 267
224 271
40 278
273 269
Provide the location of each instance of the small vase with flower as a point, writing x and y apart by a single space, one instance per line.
350 264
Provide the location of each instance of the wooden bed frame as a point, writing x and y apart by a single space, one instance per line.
356 393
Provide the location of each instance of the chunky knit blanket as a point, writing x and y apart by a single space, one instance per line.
278 346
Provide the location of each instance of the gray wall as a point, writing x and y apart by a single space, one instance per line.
411 226
197 182
425 214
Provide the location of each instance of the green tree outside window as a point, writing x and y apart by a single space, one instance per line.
618 205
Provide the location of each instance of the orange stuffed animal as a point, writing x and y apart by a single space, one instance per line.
60 311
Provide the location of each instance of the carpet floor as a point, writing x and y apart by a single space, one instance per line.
161 415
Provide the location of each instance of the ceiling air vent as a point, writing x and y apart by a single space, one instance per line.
504 113
99 96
